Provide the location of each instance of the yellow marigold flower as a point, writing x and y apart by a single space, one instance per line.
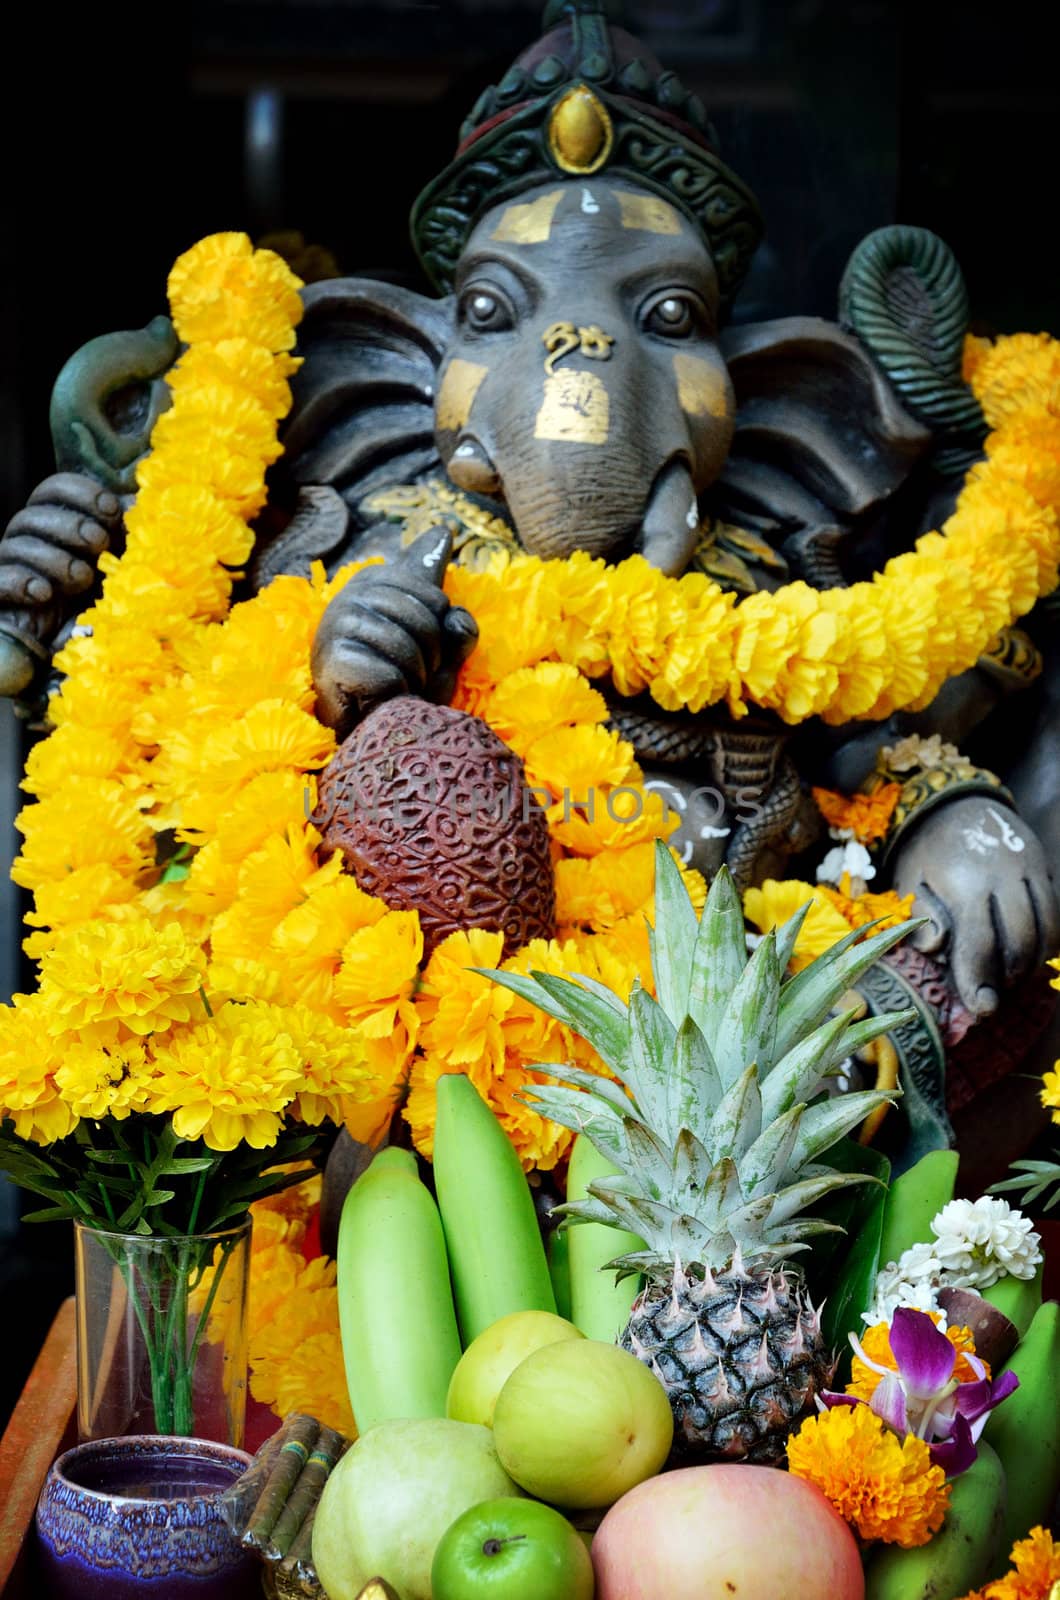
228 1080
313 934
98 1081
183 516
331 1060
105 978
77 752
868 815
85 894
236 479
240 362
975 349
89 822
222 287
770 905
220 417
1050 1093
514 625
876 1344
272 882
574 763
887 907
1027 449
1016 372
885 1487
244 978
539 700
582 897
582 595
30 1057
540 1143
273 734
1036 1564
379 972
461 1012
619 819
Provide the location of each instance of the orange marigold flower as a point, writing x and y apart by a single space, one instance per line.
885 1487
1036 1571
867 815
876 1344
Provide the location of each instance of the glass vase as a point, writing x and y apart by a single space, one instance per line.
161 1333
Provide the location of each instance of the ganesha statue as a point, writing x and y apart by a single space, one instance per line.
575 385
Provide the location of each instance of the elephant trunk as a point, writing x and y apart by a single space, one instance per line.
612 506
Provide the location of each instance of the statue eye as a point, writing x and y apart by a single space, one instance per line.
485 311
674 316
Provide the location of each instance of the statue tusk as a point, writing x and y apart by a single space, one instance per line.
671 522
471 469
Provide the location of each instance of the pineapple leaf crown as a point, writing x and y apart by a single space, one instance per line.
715 1122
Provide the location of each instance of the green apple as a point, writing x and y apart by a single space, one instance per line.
511 1550
392 1496
580 1422
489 1360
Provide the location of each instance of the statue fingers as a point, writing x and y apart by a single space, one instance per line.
461 631
63 571
386 638
976 958
22 586
936 931
78 492
352 680
60 525
404 611
1045 907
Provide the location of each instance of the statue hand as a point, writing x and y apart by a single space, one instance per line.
49 552
982 877
391 631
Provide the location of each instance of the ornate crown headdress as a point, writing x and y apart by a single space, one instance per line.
587 98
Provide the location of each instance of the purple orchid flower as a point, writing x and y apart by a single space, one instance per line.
924 1398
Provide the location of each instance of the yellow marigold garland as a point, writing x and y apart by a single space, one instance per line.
866 651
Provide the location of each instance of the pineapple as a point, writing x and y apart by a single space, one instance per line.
718 1131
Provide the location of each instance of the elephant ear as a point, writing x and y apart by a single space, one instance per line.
362 417
821 439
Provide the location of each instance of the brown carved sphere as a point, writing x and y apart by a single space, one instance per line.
432 813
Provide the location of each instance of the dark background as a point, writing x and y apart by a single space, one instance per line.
129 135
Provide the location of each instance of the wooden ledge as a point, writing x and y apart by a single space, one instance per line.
41 1426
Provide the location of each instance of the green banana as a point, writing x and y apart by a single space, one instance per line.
1017 1298
399 1336
1025 1430
558 1253
914 1198
963 1551
599 1306
496 1253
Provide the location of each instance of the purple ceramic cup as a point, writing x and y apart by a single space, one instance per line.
120 1519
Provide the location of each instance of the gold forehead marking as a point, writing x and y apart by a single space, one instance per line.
702 389
647 212
575 407
460 385
530 223
580 131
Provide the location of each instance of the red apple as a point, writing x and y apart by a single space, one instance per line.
726 1533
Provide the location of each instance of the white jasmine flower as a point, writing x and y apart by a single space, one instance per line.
913 752
851 858
914 1280
980 1241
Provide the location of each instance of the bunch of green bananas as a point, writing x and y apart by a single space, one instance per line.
418 1278
1014 1482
